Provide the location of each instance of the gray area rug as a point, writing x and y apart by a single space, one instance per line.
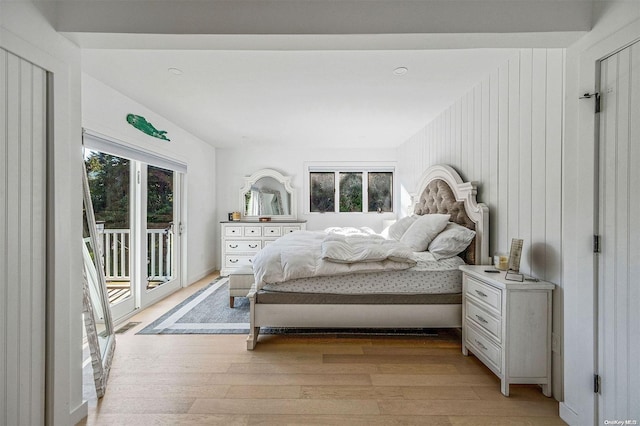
207 312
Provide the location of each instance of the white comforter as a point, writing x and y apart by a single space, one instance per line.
305 254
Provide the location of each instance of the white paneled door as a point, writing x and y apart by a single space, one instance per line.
23 202
619 264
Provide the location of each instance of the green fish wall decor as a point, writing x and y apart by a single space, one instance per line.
144 126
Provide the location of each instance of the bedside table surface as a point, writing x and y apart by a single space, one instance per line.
498 279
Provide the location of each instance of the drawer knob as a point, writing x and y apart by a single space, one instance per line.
481 294
481 319
253 246
233 260
483 347
233 246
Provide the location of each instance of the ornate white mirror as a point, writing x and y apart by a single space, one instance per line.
96 310
268 193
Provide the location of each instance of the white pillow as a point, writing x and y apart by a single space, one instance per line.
450 242
424 230
397 230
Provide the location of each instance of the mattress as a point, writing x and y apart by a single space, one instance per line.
427 277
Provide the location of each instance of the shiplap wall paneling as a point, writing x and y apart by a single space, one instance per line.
619 293
506 134
22 240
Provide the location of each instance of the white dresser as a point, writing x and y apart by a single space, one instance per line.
241 240
507 326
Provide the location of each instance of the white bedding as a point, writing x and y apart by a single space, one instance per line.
429 276
306 254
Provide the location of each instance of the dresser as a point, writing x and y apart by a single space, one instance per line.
507 326
241 240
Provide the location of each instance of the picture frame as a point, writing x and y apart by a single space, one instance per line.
515 254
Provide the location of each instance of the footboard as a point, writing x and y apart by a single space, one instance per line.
348 315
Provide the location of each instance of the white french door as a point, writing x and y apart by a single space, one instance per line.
619 265
159 236
137 206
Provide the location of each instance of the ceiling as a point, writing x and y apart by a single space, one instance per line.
306 73
295 98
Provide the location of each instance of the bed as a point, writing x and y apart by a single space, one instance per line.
441 192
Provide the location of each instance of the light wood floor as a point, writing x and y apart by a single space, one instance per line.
214 380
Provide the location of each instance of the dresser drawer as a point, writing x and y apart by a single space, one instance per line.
233 231
483 346
484 293
484 320
232 246
237 261
252 231
272 231
289 229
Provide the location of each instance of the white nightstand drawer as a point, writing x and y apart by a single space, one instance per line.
233 246
484 320
289 229
252 231
272 231
231 231
237 261
483 346
484 293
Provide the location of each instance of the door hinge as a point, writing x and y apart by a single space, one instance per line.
180 228
596 383
595 95
139 177
596 243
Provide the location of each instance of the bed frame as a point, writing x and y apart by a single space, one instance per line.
441 190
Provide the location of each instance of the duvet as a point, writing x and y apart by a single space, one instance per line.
337 251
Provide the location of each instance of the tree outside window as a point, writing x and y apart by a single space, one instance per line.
359 191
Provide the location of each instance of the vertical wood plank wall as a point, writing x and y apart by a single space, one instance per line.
506 134
22 240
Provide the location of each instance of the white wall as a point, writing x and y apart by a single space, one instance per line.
616 24
104 110
506 134
26 34
233 165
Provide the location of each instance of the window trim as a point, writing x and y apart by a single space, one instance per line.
358 167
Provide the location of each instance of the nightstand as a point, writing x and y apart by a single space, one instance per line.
507 326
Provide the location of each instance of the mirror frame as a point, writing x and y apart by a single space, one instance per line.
249 181
101 363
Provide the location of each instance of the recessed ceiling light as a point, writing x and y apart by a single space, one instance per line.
400 71
175 71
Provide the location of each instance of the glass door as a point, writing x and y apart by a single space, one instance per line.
111 190
138 228
161 251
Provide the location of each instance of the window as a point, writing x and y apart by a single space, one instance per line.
350 190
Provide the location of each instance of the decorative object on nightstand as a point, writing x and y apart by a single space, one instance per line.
507 326
514 254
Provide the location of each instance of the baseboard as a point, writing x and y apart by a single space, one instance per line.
79 414
568 415
193 280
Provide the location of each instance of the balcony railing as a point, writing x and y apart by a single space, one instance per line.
116 243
